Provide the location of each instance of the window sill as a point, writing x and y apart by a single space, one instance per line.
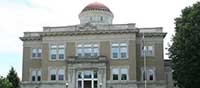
119 58
35 81
36 58
56 80
151 81
149 56
119 81
57 60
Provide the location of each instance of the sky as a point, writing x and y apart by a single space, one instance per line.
18 16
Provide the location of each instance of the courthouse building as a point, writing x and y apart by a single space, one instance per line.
93 54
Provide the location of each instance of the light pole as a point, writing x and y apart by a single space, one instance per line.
66 84
100 84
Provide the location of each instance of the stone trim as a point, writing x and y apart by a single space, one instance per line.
30 38
88 32
75 59
153 34
42 82
121 81
134 82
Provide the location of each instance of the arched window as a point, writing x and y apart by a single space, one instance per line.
120 73
149 75
39 75
33 77
36 75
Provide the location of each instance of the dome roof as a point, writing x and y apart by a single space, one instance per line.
96 13
96 6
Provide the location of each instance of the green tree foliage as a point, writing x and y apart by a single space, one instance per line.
185 49
13 78
4 83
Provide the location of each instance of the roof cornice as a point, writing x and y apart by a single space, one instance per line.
153 34
88 32
30 38
91 32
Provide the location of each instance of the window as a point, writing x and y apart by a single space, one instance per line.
87 74
53 51
95 50
61 73
57 52
115 73
101 18
61 51
95 84
79 75
148 50
36 52
115 52
150 75
124 73
35 75
79 84
87 50
123 52
119 73
39 75
79 50
119 50
53 74
57 74
95 74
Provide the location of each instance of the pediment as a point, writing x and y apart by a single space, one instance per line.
87 27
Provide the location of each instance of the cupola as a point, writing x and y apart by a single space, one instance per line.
96 13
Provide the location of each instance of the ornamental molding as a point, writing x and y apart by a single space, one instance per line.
88 32
31 38
87 27
152 34
91 32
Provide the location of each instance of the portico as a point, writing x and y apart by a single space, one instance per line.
87 72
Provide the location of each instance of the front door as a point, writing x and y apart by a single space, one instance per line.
87 84
87 79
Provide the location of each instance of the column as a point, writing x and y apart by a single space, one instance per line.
102 77
71 78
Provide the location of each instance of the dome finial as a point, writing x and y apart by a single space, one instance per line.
96 0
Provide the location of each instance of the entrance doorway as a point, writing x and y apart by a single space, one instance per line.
87 84
87 79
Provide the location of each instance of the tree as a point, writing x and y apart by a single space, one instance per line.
4 83
13 78
185 49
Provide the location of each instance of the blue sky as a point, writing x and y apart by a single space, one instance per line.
18 16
